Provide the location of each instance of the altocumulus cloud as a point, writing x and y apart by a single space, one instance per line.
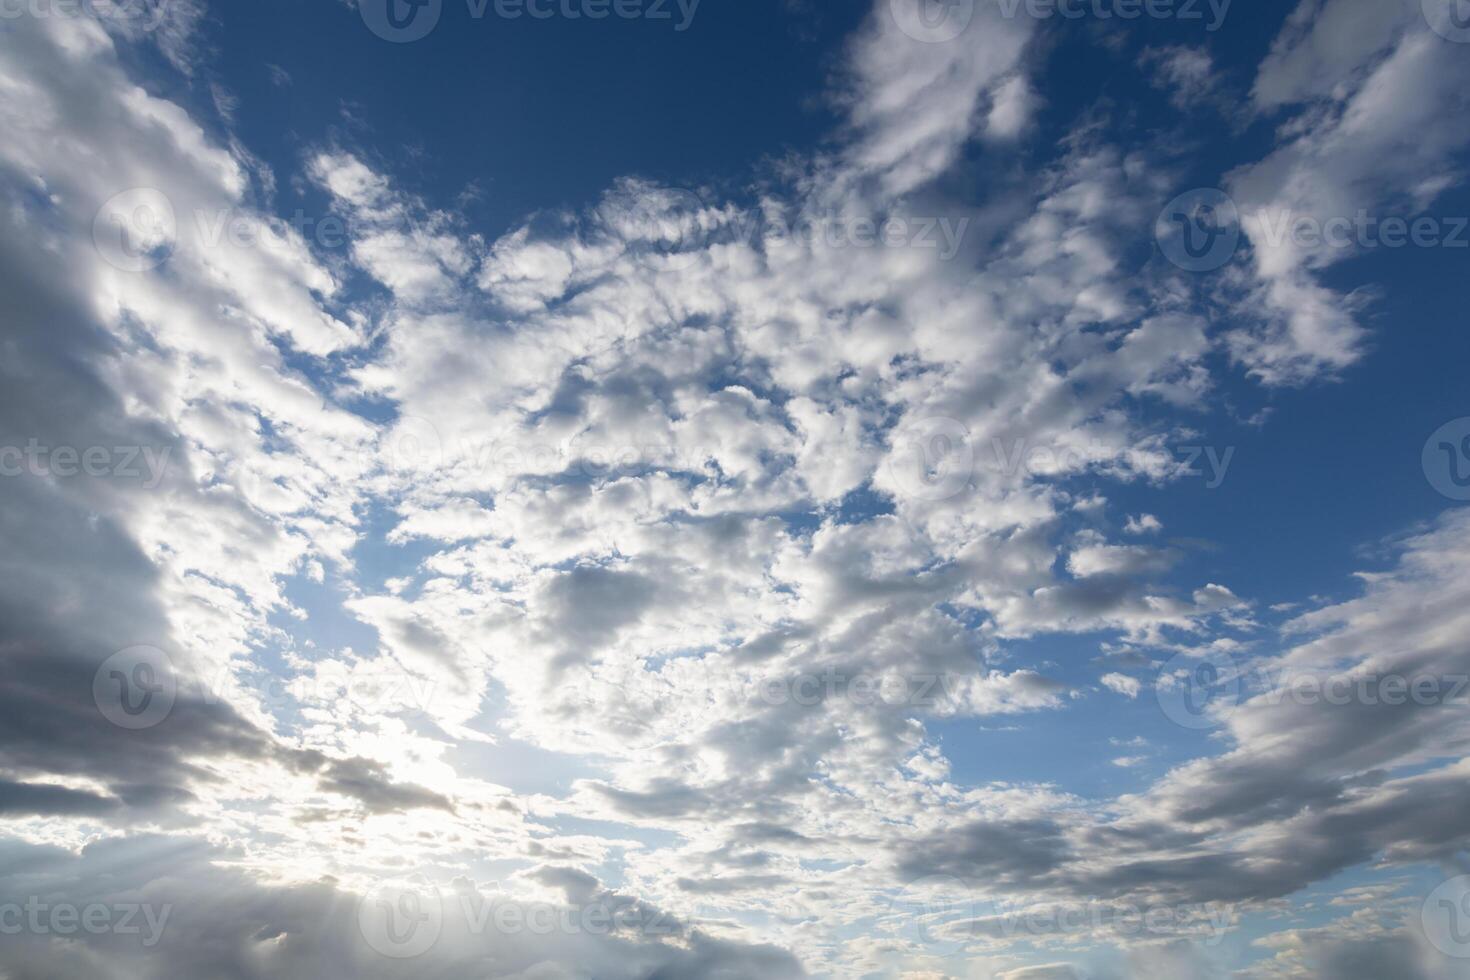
579 494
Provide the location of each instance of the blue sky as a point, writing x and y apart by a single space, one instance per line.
779 472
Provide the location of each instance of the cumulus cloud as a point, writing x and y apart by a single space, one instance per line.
705 534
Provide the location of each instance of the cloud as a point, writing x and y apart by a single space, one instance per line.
698 534
1122 684
1379 87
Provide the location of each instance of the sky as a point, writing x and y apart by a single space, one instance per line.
672 489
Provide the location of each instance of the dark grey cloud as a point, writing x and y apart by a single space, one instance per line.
1015 853
223 923
39 799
